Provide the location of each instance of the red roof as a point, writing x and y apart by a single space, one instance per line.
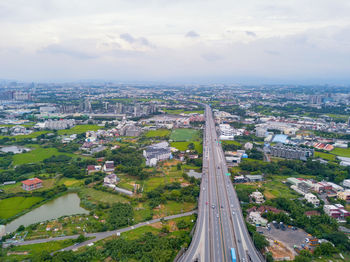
32 181
91 167
312 213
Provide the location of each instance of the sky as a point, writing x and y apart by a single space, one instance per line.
238 41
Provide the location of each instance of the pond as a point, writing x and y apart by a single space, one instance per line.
65 205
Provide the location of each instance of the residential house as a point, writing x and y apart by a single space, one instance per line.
344 195
336 211
32 184
92 169
311 198
108 166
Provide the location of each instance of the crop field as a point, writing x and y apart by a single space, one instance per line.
184 134
79 129
36 155
345 152
158 133
14 205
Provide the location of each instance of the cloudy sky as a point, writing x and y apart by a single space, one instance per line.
253 41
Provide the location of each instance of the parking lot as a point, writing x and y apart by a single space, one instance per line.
288 237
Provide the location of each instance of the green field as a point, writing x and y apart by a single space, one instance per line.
32 135
16 188
184 134
158 133
79 129
38 248
182 111
70 182
36 155
94 195
153 182
231 142
14 205
345 152
183 146
325 156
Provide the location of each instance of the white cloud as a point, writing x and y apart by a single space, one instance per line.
117 39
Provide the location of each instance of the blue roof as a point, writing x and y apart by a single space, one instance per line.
280 138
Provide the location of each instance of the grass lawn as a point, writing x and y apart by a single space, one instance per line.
158 133
325 156
14 205
182 146
345 152
79 129
70 182
184 134
94 195
36 155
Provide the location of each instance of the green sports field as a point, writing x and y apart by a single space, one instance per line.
184 134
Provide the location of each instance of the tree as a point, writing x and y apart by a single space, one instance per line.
81 238
178 166
325 249
20 228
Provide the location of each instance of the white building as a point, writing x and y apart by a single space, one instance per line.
261 132
248 146
258 197
311 198
346 183
255 218
226 132
110 179
157 152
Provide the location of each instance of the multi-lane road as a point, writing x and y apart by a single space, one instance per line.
220 224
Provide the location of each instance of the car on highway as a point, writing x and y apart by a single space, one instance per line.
212 206
233 213
217 215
